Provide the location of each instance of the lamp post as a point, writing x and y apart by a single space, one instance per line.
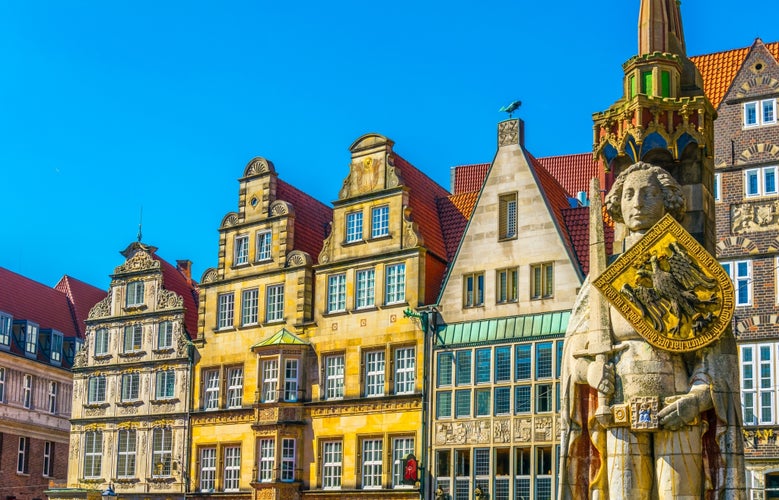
109 492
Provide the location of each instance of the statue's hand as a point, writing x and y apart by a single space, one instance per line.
600 376
679 413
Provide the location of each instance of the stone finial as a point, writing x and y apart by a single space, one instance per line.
511 133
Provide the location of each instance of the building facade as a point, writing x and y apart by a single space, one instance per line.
41 329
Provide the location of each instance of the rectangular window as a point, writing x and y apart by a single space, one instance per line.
401 449
241 250
717 187
405 370
48 459
225 308
334 377
234 387
274 310
444 371
56 348
463 367
522 399
507 286
542 281
483 402
507 219
336 293
473 290
353 227
757 113
287 459
396 284
6 322
365 289
96 392
249 307
543 398
267 460
165 384
760 181
462 403
758 373
544 360
443 404
502 400
380 221
232 468
125 462
130 385
23 457
211 389
207 469
769 111
93 454
544 473
522 472
2 385
481 467
264 246
27 391
162 451
270 380
646 83
752 182
53 390
483 365
101 341
372 450
750 114
133 338
165 335
503 364
291 380
31 338
374 373
332 456
769 180
134 294
523 362
740 272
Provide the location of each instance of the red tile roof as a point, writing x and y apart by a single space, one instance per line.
573 171
82 298
469 178
454 212
577 220
175 280
312 218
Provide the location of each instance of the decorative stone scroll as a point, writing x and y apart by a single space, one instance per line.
169 300
411 236
101 309
140 261
327 246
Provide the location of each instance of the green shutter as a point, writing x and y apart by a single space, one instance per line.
646 82
631 86
665 84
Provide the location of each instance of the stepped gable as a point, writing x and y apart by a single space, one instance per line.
719 69
469 178
312 218
82 297
175 280
573 171
577 221
454 212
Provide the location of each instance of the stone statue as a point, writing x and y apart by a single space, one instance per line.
639 421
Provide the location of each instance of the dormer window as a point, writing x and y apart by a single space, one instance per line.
241 250
134 293
31 338
353 227
56 347
6 322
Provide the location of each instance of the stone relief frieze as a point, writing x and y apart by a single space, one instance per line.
523 430
169 300
508 133
501 431
95 412
754 216
543 429
101 309
469 432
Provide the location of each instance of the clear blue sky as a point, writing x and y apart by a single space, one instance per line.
107 106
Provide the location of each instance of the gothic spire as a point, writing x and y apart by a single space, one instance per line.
660 27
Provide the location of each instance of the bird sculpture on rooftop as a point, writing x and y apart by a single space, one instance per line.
511 107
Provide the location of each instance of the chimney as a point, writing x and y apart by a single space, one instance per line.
185 267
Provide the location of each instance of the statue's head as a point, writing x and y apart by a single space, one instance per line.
642 194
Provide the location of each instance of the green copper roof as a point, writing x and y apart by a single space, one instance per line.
525 327
283 336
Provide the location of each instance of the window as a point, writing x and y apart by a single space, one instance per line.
211 389
463 367
165 384
503 364
444 372
380 221
48 459
374 373
162 451
462 403
473 290
53 390
56 348
522 399
332 456
758 389
134 294
291 380
401 448
443 404
740 272
2 385
96 392
267 460
717 187
249 307
760 181
353 227
23 457
405 368
481 467
757 113
270 380
371 463
507 286
396 284
336 293
165 335
365 292
235 387
544 360
334 377
507 223
502 400
523 360
288 459
130 384
542 281
483 365
224 314
275 304
543 398
232 471
93 454
6 322
133 338
544 473
264 245
483 402
241 250
125 463
207 469
101 342
31 338
27 391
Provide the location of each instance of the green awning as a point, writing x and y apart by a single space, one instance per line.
512 328
283 336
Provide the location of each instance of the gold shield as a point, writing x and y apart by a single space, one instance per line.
674 293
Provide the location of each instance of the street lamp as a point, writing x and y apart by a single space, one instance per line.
109 492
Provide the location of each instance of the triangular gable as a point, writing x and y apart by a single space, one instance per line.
282 337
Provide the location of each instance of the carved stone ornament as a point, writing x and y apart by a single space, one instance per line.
754 217
209 275
258 166
101 309
298 258
523 429
394 177
169 300
670 289
411 236
80 359
140 261
469 432
230 219
280 207
502 431
508 133
327 247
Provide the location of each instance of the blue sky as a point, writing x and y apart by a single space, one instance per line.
109 106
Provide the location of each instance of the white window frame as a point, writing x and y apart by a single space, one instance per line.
274 306
23 456
402 447
210 389
232 468
760 107
288 460
162 451
164 335
241 250
270 380
96 389
380 221
250 310
135 293
53 391
2 384
335 367
336 293
264 239
225 316
93 454
365 288
27 391
126 453
353 227
717 186
761 176
207 469
395 284
235 387
31 338
165 384
55 354
753 107
133 338
740 280
102 339
757 386
131 386
267 460
6 325
372 463
405 370
291 373
332 464
48 459
374 373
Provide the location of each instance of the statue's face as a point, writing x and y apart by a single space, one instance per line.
642 201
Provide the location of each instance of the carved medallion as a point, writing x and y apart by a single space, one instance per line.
673 292
643 413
